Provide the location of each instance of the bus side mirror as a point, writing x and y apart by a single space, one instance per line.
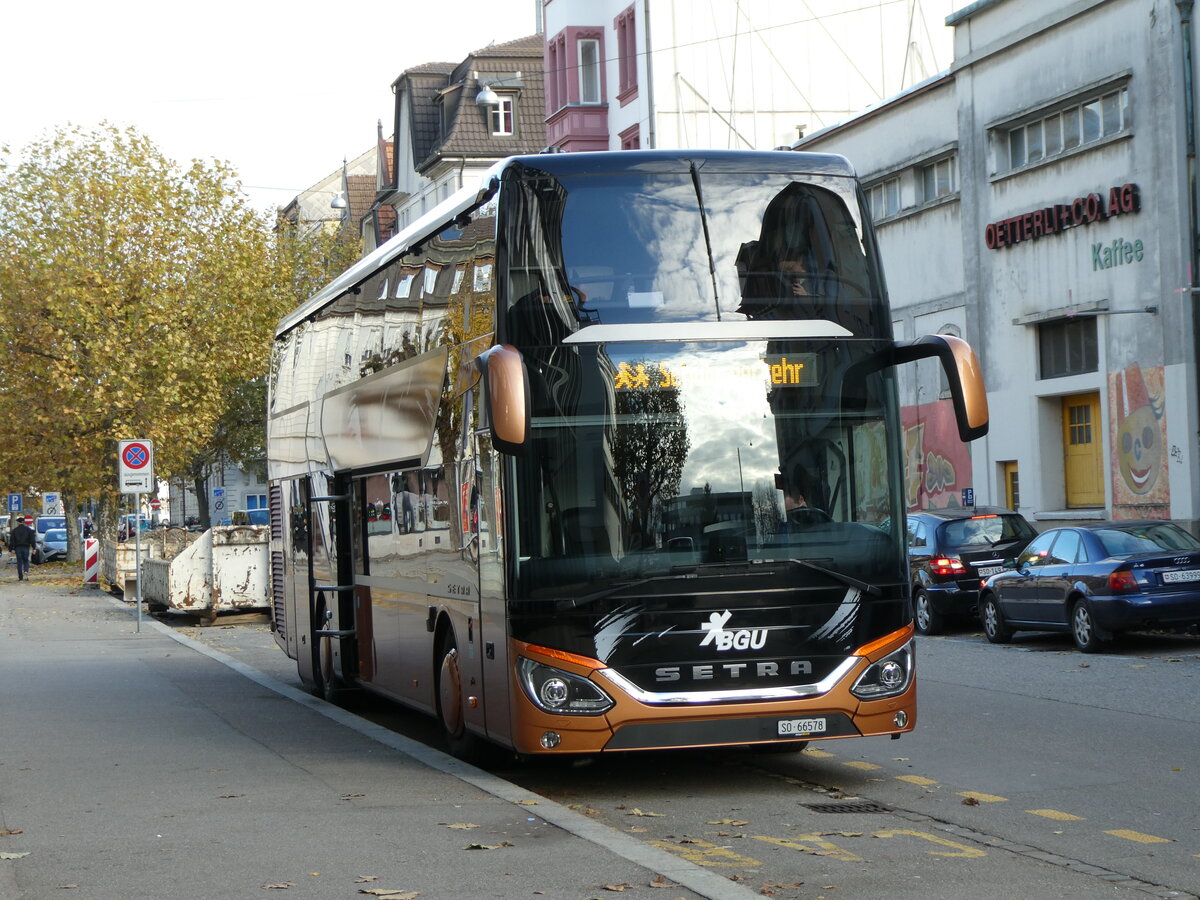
506 391
963 373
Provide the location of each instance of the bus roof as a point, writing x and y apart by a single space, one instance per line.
476 193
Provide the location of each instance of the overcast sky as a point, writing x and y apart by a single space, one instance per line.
281 90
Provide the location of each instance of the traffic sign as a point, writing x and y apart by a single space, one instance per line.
135 465
14 503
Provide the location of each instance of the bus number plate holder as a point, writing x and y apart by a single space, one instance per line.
802 727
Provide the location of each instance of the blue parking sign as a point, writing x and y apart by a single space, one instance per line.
14 503
968 497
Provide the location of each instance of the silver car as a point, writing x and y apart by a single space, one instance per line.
52 545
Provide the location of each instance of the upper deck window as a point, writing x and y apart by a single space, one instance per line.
638 247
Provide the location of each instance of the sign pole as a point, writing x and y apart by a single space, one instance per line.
137 554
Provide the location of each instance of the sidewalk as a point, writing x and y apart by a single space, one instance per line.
148 765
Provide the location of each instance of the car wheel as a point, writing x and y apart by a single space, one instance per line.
1083 628
928 619
995 629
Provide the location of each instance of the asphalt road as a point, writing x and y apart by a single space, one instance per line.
1034 771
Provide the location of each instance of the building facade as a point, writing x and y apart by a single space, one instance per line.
752 74
1038 199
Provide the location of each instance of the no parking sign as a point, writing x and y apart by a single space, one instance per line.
135 466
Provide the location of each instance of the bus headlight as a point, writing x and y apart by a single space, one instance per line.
888 677
555 691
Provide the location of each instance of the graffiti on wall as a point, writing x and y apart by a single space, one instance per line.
1140 484
937 463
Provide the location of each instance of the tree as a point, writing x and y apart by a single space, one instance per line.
135 296
651 443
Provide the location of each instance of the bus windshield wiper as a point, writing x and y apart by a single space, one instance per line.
848 580
712 266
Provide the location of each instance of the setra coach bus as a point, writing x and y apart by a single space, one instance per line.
604 453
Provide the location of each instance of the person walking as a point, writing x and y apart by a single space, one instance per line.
22 540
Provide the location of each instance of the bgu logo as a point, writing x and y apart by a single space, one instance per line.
743 639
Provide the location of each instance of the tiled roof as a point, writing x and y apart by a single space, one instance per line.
422 84
360 196
470 131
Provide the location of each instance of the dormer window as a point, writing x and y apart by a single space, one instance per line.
500 115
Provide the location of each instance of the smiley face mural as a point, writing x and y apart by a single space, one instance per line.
1139 438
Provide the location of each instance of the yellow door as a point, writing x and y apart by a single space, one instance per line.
1082 459
1012 485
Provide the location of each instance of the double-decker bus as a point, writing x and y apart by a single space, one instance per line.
604 453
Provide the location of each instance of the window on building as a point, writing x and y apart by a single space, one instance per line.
626 55
500 115
631 138
938 179
884 198
589 70
1068 347
1075 125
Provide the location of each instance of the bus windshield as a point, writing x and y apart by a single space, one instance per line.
658 459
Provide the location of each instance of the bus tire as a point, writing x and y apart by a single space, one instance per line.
451 706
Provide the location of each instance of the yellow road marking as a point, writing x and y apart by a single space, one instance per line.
1138 836
916 779
818 754
1055 814
865 766
982 798
703 853
957 848
811 843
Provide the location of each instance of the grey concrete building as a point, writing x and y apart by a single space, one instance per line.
1039 199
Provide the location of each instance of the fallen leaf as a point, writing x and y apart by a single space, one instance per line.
352 796
279 886
619 888
527 803
488 846
661 881
67 887
366 879
13 855
1085 665
395 894
229 796
10 831
458 825
970 801
1174 659
637 829
736 822
637 812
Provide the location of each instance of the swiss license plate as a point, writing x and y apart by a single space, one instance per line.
802 727
1178 577
988 571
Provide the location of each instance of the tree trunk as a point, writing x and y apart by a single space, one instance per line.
201 485
74 545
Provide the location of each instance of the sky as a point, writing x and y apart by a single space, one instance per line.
283 91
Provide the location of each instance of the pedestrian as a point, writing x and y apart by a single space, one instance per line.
22 540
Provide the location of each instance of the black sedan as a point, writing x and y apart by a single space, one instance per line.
1095 581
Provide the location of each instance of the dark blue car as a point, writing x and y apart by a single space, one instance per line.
1095 581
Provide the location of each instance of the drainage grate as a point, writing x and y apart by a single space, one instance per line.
854 806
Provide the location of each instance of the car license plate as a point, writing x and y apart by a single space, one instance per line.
988 571
1178 577
801 727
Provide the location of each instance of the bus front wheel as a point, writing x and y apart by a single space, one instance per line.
451 704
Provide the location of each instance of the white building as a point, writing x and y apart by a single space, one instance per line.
1039 199
751 74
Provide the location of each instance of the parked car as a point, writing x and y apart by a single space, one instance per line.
1096 581
51 546
951 552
